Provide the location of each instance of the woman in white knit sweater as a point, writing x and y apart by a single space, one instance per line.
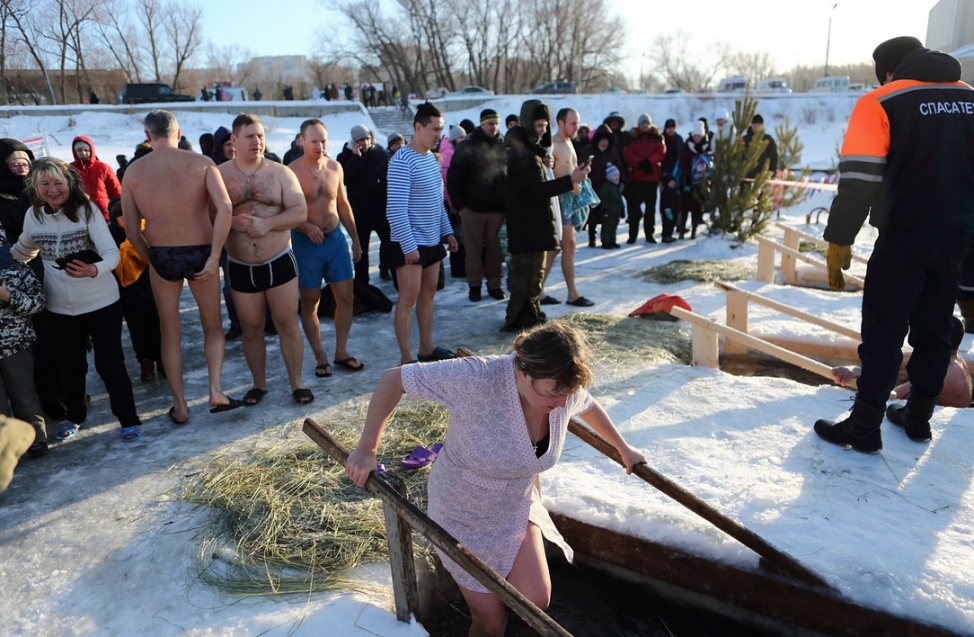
82 294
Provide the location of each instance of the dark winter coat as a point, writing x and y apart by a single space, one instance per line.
611 199
769 156
530 221
669 199
97 178
477 177
220 137
674 149
600 158
621 136
26 299
14 200
907 158
644 155
365 181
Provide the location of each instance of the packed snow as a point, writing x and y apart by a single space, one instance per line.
96 542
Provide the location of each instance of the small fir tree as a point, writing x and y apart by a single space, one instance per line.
790 150
739 208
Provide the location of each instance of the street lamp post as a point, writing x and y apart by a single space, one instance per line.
828 40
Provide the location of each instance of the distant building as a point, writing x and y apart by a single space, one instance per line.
950 25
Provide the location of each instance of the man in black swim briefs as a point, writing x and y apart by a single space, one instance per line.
173 191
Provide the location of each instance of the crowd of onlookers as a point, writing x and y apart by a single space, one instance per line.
56 309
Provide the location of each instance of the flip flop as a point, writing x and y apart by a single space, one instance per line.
131 434
581 302
233 404
303 396
347 363
253 396
172 417
438 354
549 300
65 431
325 370
421 456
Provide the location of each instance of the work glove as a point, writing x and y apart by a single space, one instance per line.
645 166
839 258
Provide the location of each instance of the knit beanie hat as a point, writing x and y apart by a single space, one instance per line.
467 126
611 171
359 133
670 123
757 119
698 129
489 115
889 54
456 132
395 138
722 114
17 154
644 118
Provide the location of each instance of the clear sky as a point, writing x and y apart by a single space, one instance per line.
792 31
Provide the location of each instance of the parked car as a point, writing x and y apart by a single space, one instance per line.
473 90
832 84
152 94
555 88
673 91
772 85
614 91
732 84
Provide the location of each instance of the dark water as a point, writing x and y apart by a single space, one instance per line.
590 603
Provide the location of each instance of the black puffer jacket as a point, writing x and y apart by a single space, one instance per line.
477 177
365 180
601 158
530 223
14 201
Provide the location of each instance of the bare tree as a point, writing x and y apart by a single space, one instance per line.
149 15
22 20
114 27
755 66
184 30
674 64
231 62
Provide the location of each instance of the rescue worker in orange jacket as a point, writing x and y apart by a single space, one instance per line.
907 161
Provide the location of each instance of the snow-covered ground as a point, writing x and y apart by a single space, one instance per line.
94 542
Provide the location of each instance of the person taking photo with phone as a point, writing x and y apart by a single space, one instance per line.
82 295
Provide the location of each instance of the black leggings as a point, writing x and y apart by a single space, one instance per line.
104 326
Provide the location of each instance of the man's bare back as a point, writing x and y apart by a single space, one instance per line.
172 189
256 197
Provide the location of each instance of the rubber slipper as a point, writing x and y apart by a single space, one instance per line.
323 370
233 404
253 396
419 457
172 417
65 431
350 364
303 396
549 300
581 302
131 434
438 354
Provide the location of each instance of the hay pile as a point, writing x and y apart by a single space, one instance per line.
287 520
698 270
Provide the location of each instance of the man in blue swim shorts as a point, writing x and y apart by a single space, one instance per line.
320 247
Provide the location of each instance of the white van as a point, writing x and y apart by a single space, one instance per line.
834 84
772 85
732 84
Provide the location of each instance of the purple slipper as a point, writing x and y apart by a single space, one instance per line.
421 457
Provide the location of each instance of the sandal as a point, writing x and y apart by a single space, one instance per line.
172 417
233 404
351 363
323 370
421 456
254 396
581 302
131 434
438 354
67 430
303 396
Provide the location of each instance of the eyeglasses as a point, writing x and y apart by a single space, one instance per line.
18 163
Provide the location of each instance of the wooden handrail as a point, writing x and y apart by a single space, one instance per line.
820 242
790 311
441 539
801 256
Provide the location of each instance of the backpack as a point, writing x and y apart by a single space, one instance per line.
700 167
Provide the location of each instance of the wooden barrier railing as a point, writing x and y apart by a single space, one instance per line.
789 258
706 352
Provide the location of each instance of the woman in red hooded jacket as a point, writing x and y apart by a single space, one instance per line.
97 177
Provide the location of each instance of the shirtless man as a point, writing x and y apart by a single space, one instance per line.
566 161
174 191
267 204
320 247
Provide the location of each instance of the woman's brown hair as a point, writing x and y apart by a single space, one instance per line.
556 351
59 169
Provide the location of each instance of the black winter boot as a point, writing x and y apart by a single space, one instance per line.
859 431
914 417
